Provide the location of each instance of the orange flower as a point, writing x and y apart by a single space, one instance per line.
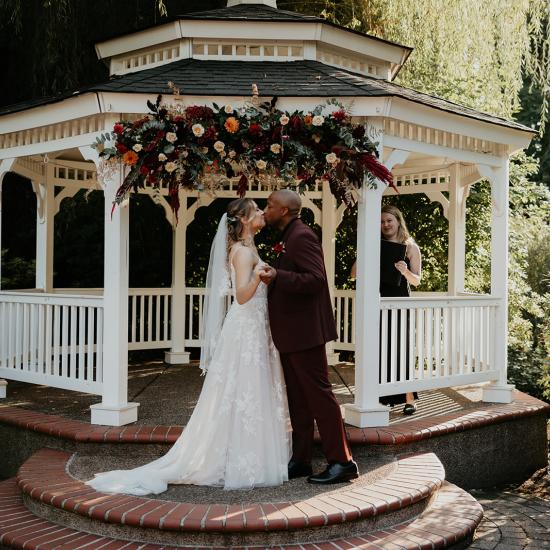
130 158
231 125
308 119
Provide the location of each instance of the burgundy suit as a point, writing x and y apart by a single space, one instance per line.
302 321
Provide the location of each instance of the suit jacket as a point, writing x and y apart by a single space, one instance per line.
300 309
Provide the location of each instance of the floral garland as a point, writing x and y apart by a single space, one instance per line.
196 147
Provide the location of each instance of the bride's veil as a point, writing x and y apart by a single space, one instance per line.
218 283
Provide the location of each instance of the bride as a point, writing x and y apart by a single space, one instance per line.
238 436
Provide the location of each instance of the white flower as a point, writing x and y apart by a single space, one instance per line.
261 164
332 158
284 120
162 157
318 120
137 147
232 154
171 137
228 109
275 148
204 150
219 146
198 129
223 154
170 167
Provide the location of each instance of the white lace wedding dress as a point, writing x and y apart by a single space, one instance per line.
238 436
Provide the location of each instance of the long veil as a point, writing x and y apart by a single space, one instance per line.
218 284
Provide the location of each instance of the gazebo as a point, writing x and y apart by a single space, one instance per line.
79 338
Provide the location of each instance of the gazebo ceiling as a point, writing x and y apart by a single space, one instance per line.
290 79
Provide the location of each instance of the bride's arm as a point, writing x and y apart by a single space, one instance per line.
247 278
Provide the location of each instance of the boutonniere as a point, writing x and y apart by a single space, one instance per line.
279 248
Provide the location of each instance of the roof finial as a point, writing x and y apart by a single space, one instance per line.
270 3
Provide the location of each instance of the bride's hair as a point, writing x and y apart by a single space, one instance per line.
236 211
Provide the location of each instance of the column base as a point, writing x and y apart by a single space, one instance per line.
3 386
111 415
366 418
498 394
333 358
177 357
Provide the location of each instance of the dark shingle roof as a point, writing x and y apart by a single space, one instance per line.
290 79
252 12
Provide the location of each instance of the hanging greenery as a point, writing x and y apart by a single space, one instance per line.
199 147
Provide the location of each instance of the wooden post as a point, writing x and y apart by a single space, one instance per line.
5 167
329 225
45 219
457 232
114 409
177 354
499 391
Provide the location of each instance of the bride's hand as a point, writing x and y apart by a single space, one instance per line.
259 272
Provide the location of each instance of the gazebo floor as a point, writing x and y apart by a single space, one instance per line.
167 395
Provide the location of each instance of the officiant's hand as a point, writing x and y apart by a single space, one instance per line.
268 275
401 267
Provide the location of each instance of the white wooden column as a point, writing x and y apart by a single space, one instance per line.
177 354
5 167
457 231
499 391
114 409
45 216
329 225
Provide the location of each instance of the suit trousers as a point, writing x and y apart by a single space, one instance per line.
310 399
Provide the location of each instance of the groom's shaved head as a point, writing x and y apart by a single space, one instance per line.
289 199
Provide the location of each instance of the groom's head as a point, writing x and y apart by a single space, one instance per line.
282 207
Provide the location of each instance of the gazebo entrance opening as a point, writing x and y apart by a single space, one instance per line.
56 336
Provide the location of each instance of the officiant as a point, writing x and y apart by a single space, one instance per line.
400 267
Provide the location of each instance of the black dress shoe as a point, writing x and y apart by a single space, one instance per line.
409 409
298 469
336 473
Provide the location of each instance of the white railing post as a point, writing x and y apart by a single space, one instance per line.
366 410
45 216
328 226
177 354
500 391
457 231
114 409
5 167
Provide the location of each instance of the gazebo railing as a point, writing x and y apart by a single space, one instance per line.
427 341
52 339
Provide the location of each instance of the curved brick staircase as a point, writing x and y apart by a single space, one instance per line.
404 503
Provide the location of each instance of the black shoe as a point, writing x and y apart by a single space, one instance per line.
336 473
410 408
298 469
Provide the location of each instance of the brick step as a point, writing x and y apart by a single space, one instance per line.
401 494
449 522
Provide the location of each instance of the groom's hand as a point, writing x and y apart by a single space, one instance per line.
268 274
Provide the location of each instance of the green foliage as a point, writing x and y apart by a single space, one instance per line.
16 272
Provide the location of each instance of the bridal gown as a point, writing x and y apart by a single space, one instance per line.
238 436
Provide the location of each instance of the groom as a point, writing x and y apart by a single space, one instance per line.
302 321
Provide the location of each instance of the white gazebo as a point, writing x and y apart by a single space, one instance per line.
78 338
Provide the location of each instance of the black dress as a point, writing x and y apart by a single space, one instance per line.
391 291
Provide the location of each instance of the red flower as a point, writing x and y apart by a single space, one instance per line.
118 128
195 112
279 248
121 148
144 170
296 123
255 129
340 115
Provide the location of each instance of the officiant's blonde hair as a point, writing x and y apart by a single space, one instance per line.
403 235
